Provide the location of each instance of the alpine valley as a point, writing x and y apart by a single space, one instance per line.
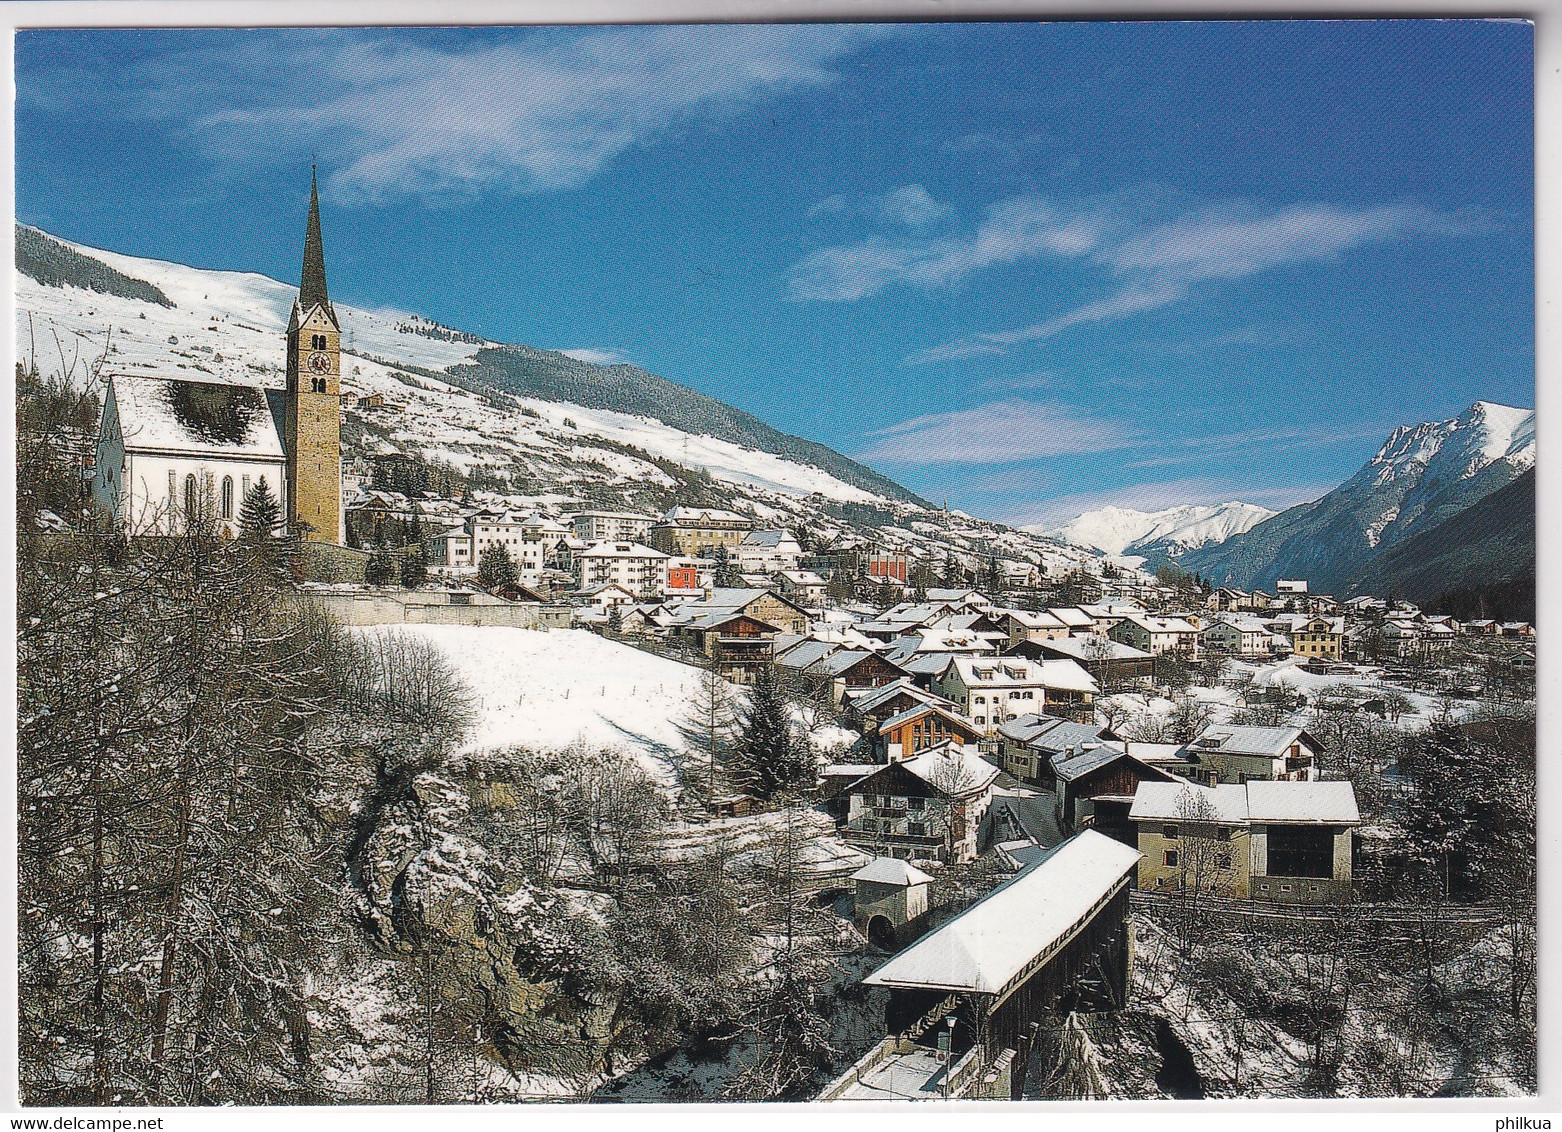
532 424
1444 506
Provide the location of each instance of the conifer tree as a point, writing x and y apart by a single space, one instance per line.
496 568
379 569
260 513
414 568
771 755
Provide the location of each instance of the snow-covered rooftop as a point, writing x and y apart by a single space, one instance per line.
206 417
891 870
1301 803
1283 803
990 943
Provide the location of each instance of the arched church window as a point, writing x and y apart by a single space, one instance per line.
227 497
192 509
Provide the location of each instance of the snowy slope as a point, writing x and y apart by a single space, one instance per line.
1120 530
550 690
230 326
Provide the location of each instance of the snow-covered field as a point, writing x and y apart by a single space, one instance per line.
550 690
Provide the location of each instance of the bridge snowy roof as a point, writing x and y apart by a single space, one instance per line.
985 947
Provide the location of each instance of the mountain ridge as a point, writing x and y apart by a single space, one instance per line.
518 369
1168 532
1421 476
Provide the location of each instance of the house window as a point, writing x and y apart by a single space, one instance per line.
1222 834
1169 832
916 829
1301 851
1223 861
1171 858
915 803
227 497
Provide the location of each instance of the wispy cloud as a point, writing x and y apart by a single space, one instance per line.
1164 263
595 356
998 432
1140 258
1018 229
910 205
1194 449
429 115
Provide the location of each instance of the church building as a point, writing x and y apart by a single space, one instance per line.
173 454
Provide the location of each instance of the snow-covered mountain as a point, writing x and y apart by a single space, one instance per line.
533 423
1119 530
1422 475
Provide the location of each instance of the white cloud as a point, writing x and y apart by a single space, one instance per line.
595 356
834 205
542 110
1146 263
1018 229
1161 264
997 432
911 205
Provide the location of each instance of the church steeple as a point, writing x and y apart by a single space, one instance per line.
311 288
312 424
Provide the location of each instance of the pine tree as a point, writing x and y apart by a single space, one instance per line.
615 619
992 578
414 568
496 568
726 573
771 755
260 514
707 727
380 568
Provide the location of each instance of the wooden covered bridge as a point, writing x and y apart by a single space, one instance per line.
965 1001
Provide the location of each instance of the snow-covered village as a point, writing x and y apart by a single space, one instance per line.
411 717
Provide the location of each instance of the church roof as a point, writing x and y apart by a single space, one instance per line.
311 287
164 414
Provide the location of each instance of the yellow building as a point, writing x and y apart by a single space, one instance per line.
1289 842
1318 637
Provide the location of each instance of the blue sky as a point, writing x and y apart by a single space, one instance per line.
1027 268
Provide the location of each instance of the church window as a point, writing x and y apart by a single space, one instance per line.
244 484
192 510
227 497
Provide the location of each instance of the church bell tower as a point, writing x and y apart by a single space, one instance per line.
314 423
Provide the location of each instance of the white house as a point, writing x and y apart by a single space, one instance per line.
1238 634
1026 625
452 547
766 552
1156 635
992 691
172 453
539 537
610 526
802 586
639 569
501 529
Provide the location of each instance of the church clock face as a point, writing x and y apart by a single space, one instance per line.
320 363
